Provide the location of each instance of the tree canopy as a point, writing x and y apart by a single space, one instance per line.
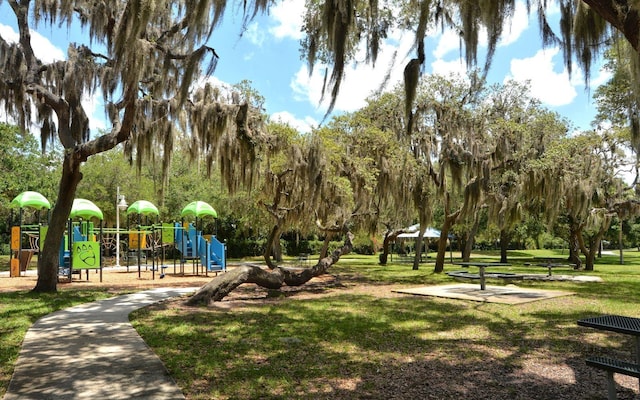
150 59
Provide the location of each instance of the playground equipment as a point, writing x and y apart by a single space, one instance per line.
138 243
25 238
204 250
81 249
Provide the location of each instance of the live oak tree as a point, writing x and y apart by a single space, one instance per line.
286 188
335 30
340 175
571 180
144 59
522 131
375 135
304 181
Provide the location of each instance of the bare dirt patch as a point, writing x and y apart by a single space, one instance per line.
112 279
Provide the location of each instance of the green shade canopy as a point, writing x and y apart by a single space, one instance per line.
143 207
31 199
198 209
85 209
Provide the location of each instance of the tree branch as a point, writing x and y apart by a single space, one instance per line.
223 284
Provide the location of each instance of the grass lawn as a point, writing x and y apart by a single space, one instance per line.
351 337
341 343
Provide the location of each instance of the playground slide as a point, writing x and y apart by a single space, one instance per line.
211 252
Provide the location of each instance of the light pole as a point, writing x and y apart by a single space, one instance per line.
121 204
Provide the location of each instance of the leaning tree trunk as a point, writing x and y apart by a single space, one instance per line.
49 255
223 284
324 251
390 236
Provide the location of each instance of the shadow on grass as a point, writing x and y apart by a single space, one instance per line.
362 347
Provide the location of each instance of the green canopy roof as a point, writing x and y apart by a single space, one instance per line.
198 209
143 207
85 209
31 199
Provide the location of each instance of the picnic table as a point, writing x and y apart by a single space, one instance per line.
481 266
551 262
618 324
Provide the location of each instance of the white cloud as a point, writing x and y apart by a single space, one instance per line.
253 34
42 47
9 34
449 41
301 125
94 107
603 77
288 15
516 25
361 79
447 68
550 87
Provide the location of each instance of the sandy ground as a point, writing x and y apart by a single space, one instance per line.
113 278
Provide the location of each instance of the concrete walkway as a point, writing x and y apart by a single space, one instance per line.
91 351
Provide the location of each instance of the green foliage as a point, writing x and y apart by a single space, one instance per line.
23 167
362 244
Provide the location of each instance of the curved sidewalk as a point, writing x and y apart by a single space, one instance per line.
91 351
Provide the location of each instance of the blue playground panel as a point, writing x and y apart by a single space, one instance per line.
64 260
210 252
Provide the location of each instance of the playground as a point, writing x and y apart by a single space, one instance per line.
144 244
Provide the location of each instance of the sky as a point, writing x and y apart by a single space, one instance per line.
267 53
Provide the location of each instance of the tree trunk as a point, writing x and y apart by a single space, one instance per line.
325 244
449 220
48 261
504 245
471 239
389 236
223 284
574 247
418 246
274 236
623 15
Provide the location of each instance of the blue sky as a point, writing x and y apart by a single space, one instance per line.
267 54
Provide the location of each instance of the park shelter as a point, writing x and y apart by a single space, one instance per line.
405 242
414 230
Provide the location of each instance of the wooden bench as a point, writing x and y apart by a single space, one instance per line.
613 366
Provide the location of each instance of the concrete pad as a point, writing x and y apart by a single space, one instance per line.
509 294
